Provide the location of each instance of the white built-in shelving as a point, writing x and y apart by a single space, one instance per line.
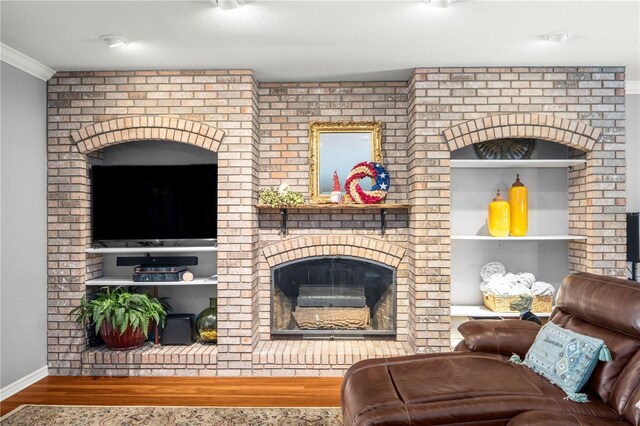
185 296
117 281
154 249
475 311
525 238
497 164
543 252
121 276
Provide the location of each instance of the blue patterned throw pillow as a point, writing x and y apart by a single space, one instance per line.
565 358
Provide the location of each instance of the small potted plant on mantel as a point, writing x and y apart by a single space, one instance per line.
283 196
121 317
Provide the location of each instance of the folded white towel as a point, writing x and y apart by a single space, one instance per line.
507 285
527 279
498 287
491 270
540 288
518 289
496 280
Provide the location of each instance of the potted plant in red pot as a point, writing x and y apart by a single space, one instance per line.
121 317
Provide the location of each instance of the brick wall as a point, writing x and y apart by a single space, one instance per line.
443 98
237 225
265 143
223 100
286 109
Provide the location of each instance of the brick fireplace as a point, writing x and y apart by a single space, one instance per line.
349 263
333 296
260 134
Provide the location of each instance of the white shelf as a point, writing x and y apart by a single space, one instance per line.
527 238
114 281
494 164
483 312
167 249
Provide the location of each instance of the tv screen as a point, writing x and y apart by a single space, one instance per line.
142 203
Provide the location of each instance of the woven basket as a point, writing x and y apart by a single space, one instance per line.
541 304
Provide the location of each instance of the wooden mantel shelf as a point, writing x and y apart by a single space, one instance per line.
330 206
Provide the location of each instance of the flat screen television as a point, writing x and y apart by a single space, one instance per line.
149 203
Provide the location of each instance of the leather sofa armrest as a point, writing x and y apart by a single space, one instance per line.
504 337
546 418
461 347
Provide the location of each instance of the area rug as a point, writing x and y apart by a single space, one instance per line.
73 415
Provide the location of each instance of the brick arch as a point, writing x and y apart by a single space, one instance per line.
539 126
334 245
119 130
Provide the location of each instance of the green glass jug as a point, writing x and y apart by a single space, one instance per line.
207 323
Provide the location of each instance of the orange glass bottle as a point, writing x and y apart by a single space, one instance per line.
519 205
499 217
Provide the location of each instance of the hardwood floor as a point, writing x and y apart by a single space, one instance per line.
181 391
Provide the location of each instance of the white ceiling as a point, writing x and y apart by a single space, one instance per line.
322 40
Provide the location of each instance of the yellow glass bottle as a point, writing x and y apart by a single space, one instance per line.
499 217
519 204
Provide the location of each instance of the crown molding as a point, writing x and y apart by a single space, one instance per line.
23 62
29 65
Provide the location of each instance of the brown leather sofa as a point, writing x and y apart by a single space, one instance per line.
477 385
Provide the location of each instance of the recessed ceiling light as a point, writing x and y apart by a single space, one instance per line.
227 4
114 41
439 3
558 36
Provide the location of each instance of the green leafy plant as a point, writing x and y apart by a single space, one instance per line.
121 308
281 197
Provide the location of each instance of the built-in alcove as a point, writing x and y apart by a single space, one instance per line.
185 297
332 296
544 251
543 150
157 153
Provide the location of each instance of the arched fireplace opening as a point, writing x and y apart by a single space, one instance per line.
333 296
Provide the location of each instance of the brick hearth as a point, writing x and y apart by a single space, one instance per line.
150 360
313 358
260 133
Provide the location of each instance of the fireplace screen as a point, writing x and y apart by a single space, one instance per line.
333 296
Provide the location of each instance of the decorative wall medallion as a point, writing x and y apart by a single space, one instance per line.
505 149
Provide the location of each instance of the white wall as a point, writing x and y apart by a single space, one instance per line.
23 231
633 156
633 152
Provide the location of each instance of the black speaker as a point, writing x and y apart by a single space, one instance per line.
159 260
178 329
633 238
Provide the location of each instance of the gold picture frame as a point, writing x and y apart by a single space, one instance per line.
334 146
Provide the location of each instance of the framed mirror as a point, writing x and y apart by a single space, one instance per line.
339 146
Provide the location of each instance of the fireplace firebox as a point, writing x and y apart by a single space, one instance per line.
333 297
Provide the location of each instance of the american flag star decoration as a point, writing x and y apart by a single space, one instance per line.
378 191
383 180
